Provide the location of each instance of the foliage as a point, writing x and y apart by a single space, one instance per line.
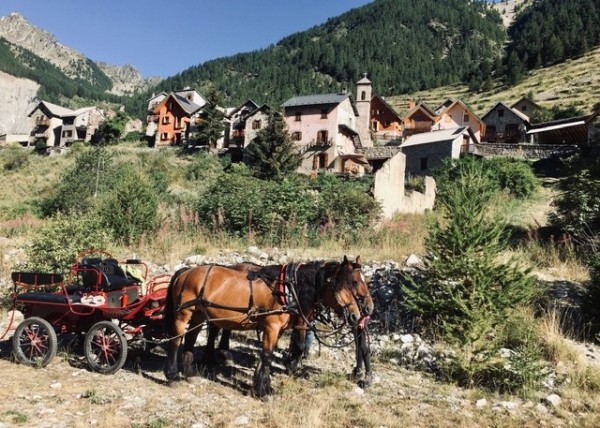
555 113
55 247
577 207
467 292
130 209
514 176
14 158
211 127
110 130
243 205
272 154
133 136
444 42
345 208
510 175
78 186
551 31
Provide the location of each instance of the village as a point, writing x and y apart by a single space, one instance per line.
341 133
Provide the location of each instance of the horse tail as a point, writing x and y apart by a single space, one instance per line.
169 312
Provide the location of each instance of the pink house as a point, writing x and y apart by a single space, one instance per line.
330 130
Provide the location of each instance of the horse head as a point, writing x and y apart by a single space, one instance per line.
347 292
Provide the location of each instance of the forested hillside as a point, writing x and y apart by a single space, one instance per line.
54 82
404 45
551 31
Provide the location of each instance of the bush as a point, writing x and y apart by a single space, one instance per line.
14 158
510 175
514 176
55 247
89 177
577 207
130 209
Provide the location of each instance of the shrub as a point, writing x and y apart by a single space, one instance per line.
577 207
89 177
14 158
130 209
514 176
55 247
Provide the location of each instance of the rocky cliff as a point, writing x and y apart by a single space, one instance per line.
16 96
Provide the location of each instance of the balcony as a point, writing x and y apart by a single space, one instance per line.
42 122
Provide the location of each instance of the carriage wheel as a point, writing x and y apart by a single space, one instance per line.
34 342
105 347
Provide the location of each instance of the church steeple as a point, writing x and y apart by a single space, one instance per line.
364 90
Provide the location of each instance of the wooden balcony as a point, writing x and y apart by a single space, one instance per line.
42 122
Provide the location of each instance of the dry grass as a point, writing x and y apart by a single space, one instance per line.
575 81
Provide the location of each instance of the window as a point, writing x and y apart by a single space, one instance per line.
501 113
363 95
423 163
256 124
298 116
67 134
374 126
466 118
166 120
386 123
523 108
296 136
164 136
324 114
322 137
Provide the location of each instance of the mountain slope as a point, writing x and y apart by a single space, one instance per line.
403 45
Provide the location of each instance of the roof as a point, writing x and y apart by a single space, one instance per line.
322 99
434 137
522 116
364 81
444 105
528 101
55 110
424 107
187 106
385 103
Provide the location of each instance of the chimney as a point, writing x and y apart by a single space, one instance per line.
412 104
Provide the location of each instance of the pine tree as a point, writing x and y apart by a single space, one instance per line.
211 128
467 291
272 154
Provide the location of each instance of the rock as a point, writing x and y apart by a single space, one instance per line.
541 408
413 261
407 338
359 391
55 385
506 353
481 403
241 420
554 399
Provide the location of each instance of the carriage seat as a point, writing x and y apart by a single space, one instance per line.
36 296
106 273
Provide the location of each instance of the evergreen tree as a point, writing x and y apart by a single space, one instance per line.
467 292
272 154
211 128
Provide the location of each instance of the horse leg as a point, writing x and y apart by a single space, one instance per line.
262 374
209 359
176 331
296 350
191 336
223 354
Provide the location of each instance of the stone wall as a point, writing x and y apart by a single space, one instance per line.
389 185
417 202
522 151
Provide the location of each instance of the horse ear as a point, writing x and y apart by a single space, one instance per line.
345 260
358 261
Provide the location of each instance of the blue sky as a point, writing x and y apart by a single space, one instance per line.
134 32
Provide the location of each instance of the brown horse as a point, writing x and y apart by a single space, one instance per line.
235 300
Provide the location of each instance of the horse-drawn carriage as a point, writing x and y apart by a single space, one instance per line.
104 300
112 304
